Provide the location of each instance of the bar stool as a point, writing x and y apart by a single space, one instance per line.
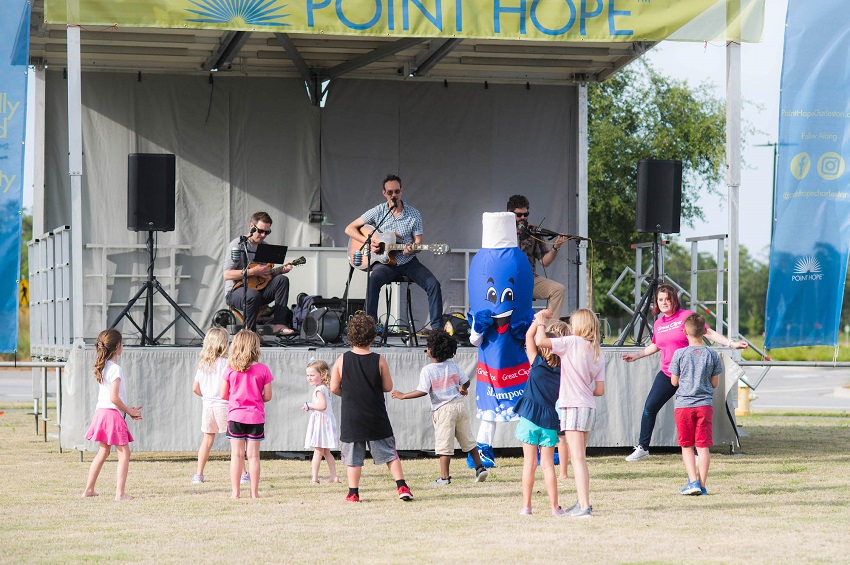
388 295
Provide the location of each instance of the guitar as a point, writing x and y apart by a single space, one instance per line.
388 248
256 282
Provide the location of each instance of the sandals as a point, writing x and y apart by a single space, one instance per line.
286 332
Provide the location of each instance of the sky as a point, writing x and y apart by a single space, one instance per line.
761 66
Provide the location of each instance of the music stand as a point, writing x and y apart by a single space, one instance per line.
268 253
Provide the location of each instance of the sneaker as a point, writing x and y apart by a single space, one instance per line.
352 498
579 512
246 479
439 482
525 511
559 512
197 479
405 494
638 454
571 508
691 489
481 474
702 491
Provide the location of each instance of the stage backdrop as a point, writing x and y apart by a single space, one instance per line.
247 144
811 236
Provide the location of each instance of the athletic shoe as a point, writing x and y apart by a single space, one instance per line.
691 489
559 513
245 480
702 491
571 508
638 454
352 498
197 479
579 512
405 494
481 474
525 511
440 482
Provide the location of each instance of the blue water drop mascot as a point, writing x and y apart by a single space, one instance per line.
500 288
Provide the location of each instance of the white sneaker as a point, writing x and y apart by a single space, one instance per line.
638 454
245 480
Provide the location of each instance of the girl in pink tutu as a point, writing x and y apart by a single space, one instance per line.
322 435
108 426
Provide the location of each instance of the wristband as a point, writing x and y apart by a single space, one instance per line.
307 406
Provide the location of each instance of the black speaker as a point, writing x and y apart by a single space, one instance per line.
150 192
322 323
659 196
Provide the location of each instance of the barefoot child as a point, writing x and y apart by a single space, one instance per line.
247 386
446 384
361 378
107 425
321 429
696 370
208 381
538 422
582 378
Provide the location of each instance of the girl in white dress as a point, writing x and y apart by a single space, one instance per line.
322 433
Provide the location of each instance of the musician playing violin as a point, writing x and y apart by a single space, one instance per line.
406 222
251 300
536 250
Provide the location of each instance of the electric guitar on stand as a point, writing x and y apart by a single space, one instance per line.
256 282
360 258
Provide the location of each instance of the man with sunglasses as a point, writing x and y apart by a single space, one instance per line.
406 222
536 250
277 290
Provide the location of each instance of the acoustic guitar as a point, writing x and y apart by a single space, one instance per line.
388 248
256 282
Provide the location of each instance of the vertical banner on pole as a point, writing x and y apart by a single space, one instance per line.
14 54
811 230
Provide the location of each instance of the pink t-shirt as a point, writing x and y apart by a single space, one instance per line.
668 333
246 404
579 372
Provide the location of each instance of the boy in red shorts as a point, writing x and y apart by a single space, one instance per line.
696 371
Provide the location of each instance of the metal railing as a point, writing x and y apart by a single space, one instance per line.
40 408
50 294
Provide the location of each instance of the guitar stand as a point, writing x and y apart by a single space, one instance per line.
149 287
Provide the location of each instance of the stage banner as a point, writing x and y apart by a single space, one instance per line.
811 232
14 53
548 20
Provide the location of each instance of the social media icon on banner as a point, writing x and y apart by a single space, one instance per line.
800 165
830 166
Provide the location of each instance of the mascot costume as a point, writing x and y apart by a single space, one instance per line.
500 289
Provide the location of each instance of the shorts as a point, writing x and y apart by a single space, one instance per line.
694 426
249 432
532 434
214 419
354 453
577 419
451 420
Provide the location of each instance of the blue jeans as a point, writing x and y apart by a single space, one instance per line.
276 291
419 273
661 392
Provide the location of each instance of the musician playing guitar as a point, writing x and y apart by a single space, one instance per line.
276 290
406 222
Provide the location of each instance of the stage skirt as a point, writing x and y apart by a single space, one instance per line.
109 427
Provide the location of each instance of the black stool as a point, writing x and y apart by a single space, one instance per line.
388 294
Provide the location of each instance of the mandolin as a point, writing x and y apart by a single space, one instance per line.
256 282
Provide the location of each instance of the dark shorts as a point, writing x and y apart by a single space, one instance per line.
694 426
250 432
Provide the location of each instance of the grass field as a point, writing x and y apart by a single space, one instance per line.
784 499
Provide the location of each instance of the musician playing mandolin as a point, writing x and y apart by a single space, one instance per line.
406 222
275 290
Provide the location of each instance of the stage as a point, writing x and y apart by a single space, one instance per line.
160 380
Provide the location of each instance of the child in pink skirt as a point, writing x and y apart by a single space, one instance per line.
108 426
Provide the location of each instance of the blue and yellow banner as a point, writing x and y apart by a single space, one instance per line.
14 52
555 20
811 235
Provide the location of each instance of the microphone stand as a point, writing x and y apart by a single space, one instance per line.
243 243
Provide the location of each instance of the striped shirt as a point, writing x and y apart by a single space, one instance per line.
408 224
442 382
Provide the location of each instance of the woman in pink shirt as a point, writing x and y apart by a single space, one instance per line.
668 335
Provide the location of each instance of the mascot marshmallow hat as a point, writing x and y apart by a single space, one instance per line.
500 288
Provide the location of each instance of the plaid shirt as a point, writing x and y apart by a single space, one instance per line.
408 224
533 249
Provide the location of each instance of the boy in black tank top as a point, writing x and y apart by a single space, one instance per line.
361 378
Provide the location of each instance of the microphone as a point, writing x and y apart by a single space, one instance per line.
524 232
395 203
358 258
235 255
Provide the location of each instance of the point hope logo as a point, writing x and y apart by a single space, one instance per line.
807 269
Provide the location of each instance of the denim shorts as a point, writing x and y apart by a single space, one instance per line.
354 453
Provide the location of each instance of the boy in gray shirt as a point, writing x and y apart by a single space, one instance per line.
696 371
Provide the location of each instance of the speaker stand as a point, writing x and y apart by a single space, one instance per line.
148 288
644 305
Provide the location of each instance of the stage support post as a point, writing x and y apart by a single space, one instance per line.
733 156
585 286
75 171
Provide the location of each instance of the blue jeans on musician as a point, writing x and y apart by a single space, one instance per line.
660 393
419 273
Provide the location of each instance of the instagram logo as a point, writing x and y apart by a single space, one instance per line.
830 166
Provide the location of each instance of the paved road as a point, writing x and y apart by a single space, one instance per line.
16 385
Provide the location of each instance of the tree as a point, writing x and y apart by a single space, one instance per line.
639 114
